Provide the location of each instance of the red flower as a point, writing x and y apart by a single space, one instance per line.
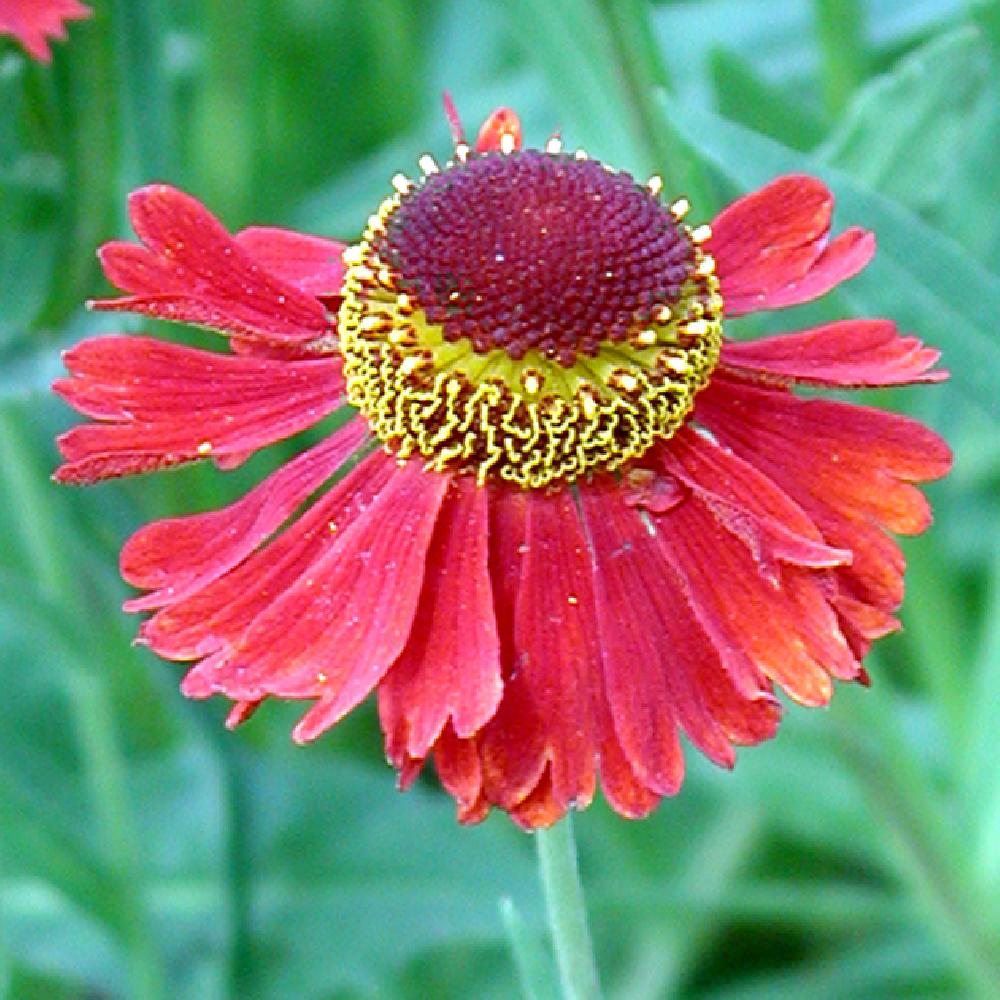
33 22
594 523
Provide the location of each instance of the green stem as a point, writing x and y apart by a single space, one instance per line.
567 912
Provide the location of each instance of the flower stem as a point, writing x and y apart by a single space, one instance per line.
567 912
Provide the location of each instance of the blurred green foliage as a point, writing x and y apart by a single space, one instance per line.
146 852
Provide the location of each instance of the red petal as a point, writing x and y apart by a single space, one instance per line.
162 404
336 630
861 623
454 120
502 122
33 22
183 554
215 618
850 353
552 667
450 666
771 247
191 270
311 263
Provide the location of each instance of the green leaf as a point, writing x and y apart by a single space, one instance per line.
337 903
744 96
902 131
778 39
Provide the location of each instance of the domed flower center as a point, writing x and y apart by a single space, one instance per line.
531 250
528 315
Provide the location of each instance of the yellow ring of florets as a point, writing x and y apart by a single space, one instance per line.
529 421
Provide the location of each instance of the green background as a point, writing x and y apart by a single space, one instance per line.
145 851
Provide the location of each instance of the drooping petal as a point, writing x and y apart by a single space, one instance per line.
34 22
849 353
551 666
450 666
178 556
215 619
312 264
191 270
772 247
661 669
642 708
160 404
337 629
849 467
771 614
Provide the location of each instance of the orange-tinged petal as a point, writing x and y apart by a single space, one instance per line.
500 133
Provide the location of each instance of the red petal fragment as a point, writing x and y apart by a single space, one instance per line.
161 404
34 22
748 504
182 555
214 619
849 254
240 712
771 247
849 353
550 679
501 132
651 490
409 771
454 121
450 666
191 270
849 467
336 630
310 263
